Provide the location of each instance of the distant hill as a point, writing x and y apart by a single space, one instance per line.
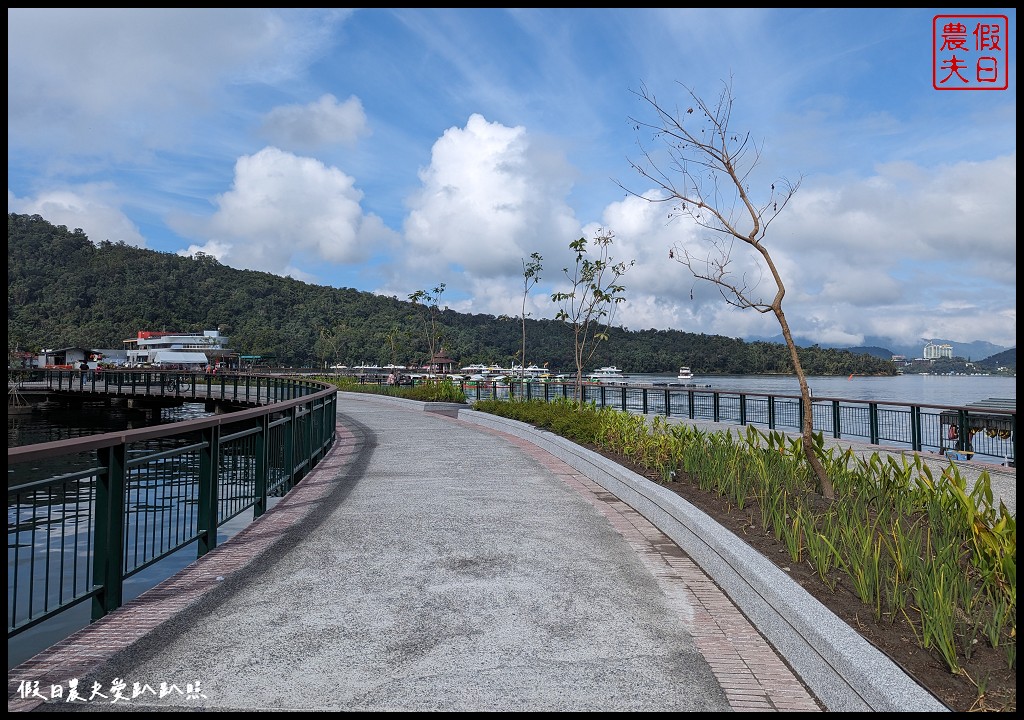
885 348
877 352
65 291
1005 359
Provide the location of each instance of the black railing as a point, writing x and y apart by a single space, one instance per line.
964 433
85 514
244 389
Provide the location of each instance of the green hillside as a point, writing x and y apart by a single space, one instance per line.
65 291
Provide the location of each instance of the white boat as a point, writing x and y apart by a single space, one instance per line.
685 373
606 374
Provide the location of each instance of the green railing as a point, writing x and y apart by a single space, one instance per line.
988 434
85 514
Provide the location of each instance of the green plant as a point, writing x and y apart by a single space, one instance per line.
589 306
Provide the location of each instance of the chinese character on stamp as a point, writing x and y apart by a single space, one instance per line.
970 52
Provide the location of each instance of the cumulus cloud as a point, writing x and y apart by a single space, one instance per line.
491 196
89 207
283 209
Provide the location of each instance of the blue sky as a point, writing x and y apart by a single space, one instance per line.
391 150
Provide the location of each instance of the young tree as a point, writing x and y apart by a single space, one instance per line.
431 302
328 344
712 166
531 276
590 306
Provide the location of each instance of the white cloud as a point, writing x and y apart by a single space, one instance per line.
490 197
114 80
284 212
88 207
321 123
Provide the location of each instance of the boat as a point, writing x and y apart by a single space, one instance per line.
685 373
606 374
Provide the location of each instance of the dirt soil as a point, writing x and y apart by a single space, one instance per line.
988 684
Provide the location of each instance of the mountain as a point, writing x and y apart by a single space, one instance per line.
886 347
65 291
878 352
1005 359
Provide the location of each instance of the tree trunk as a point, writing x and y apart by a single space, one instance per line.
807 430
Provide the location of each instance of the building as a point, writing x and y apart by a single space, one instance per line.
933 351
176 350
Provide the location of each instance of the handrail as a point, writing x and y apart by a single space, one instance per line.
960 432
113 504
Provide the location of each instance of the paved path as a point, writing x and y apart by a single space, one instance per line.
432 563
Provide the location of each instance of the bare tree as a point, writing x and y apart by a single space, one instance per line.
590 306
531 276
704 171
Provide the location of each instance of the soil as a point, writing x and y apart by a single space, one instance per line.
987 684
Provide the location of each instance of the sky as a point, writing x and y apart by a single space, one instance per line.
398 149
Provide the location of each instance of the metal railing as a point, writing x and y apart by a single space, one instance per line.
85 514
989 435
246 389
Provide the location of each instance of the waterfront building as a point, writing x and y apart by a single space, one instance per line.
188 351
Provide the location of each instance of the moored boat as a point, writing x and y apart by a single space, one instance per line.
606 374
685 373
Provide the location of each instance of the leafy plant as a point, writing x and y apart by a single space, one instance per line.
589 306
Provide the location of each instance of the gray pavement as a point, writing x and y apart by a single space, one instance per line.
442 559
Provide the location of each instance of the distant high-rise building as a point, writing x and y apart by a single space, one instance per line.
932 351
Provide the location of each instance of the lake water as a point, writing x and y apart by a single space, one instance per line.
938 390
50 422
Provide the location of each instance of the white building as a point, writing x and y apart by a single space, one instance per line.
177 350
934 352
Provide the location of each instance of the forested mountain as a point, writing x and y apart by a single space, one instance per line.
65 291
1005 359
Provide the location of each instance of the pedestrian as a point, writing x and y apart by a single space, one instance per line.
84 369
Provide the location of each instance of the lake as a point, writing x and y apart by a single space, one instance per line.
939 390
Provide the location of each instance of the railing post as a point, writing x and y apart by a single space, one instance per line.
668 403
209 460
836 433
261 450
873 431
529 389
547 391
289 448
603 402
743 409
623 399
800 410
771 412
645 400
716 404
108 568
691 404
915 427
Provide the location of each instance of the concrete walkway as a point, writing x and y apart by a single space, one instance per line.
442 559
